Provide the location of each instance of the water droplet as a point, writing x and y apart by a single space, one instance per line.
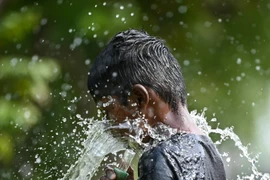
38 160
253 51
87 61
154 6
207 24
169 14
156 28
18 46
145 18
257 61
238 78
238 61
27 114
134 104
257 38
203 90
182 9
114 74
8 97
13 61
43 21
106 32
214 120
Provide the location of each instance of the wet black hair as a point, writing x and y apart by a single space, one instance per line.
134 57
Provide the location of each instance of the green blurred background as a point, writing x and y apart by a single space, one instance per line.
47 46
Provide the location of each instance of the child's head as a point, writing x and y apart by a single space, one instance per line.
133 57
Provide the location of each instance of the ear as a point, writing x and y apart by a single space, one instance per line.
141 96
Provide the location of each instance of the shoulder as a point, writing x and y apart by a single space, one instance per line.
179 145
154 164
179 156
152 157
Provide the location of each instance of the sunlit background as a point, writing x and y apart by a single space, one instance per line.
47 47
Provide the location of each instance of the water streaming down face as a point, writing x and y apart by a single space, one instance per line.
100 142
97 145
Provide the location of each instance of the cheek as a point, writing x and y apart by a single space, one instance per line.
128 112
119 114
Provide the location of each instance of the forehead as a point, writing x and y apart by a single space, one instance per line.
107 100
106 87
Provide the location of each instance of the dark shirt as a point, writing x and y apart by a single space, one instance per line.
182 157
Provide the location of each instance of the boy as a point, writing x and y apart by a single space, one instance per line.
137 73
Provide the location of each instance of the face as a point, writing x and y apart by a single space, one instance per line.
117 112
126 116
144 109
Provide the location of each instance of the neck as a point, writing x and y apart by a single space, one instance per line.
182 121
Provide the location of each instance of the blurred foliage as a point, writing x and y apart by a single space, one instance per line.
46 48
15 25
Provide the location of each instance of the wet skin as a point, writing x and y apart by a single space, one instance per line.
144 101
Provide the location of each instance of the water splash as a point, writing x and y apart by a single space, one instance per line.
97 145
100 142
225 134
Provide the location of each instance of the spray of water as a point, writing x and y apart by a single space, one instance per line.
100 142
228 133
97 145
